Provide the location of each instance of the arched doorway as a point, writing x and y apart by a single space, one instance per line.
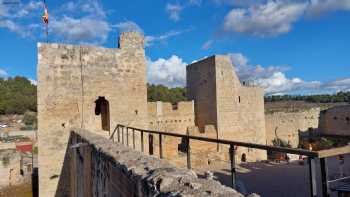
102 108
244 158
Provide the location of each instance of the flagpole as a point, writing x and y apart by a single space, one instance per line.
46 23
47 33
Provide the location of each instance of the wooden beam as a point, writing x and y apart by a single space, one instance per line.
334 151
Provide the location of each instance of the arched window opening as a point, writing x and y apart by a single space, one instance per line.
102 108
244 158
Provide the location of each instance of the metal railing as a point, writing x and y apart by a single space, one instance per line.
312 156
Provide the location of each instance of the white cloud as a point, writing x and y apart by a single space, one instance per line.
207 44
265 18
338 85
14 27
174 11
239 3
170 72
149 40
11 14
128 26
270 19
27 9
274 80
195 2
33 82
3 73
317 8
280 84
83 29
247 72
3 9
271 78
93 7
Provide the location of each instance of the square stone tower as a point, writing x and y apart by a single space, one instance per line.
88 87
236 111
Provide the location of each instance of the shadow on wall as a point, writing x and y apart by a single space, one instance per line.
64 178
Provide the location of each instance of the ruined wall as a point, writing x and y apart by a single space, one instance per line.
335 121
236 111
70 79
287 125
164 116
99 167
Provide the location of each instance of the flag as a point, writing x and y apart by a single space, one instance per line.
45 17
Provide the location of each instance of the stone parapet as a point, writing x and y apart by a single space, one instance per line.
98 166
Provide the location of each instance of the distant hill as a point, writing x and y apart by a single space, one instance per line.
17 95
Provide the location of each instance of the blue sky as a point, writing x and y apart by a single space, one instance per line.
285 46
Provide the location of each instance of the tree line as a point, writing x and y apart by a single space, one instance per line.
340 97
18 95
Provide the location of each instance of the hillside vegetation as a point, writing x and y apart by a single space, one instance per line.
17 95
165 94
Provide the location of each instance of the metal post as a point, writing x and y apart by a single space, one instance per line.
324 180
150 144
233 166
123 135
160 147
133 138
312 176
142 141
188 151
118 129
127 136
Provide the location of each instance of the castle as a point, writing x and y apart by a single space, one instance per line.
98 88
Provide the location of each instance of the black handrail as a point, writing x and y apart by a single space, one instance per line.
227 142
313 156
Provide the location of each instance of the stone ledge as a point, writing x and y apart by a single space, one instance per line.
155 177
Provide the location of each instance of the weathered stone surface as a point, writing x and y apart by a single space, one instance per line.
335 121
236 111
149 176
287 125
71 79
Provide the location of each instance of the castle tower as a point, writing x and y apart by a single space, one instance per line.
236 111
89 87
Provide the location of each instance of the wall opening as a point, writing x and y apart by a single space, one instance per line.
244 158
239 99
175 106
102 108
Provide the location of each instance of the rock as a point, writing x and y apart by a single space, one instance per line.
209 175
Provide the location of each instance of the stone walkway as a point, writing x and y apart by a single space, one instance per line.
272 179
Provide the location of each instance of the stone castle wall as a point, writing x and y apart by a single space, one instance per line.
100 167
335 121
288 125
164 116
70 80
236 111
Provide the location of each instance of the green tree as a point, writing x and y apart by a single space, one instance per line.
17 95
